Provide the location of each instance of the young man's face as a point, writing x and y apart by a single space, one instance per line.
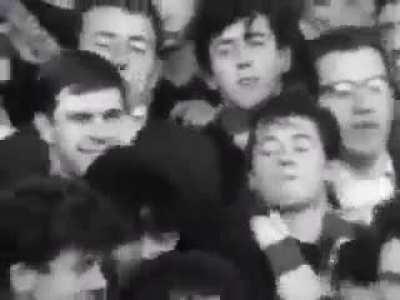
246 63
355 88
389 20
71 275
289 163
175 15
84 126
127 40
334 13
389 270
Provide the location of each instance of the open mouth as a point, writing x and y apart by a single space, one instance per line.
248 81
365 125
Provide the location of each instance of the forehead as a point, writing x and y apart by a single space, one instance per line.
176 7
238 29
118 21
355 65
390 13
326 7
292 125
92 101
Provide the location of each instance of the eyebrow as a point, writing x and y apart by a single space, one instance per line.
302 136
267 138
254 34
106 34
329 84
224 42
111 35
138 38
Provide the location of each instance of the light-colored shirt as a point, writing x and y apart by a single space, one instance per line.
358 197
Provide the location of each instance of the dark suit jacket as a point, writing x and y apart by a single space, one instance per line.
22 155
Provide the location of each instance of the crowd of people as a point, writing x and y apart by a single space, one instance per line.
199 149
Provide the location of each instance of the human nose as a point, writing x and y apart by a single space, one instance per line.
243 58
362 102
102 133
120 55
286 157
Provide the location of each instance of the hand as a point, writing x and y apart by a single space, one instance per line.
194 112
268 230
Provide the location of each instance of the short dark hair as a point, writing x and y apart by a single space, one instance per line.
214 16
81 71
380 4
43 216
194 271
296 101
349 39
179 174
144 7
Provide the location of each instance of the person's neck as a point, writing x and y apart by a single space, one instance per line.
364 166
56 168
180 66
306 224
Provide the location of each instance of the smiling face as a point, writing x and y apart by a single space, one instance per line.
84 126
128 40
246 63
289 163
355 88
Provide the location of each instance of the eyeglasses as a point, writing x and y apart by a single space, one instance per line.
343 89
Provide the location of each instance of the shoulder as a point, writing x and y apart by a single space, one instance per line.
22 154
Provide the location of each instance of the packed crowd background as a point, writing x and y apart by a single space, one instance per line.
199 149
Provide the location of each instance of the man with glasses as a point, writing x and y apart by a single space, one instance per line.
355 84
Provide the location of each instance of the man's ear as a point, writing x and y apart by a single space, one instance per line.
22 278
285 58
209 79
45 127
328 170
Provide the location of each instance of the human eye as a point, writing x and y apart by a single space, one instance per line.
113 115
103 42
378 85
302 145
268 148
138 46
340 89
256 39
223 50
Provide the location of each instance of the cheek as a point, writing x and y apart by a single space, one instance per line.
68 136
265 175
223 70
267 64
140 70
